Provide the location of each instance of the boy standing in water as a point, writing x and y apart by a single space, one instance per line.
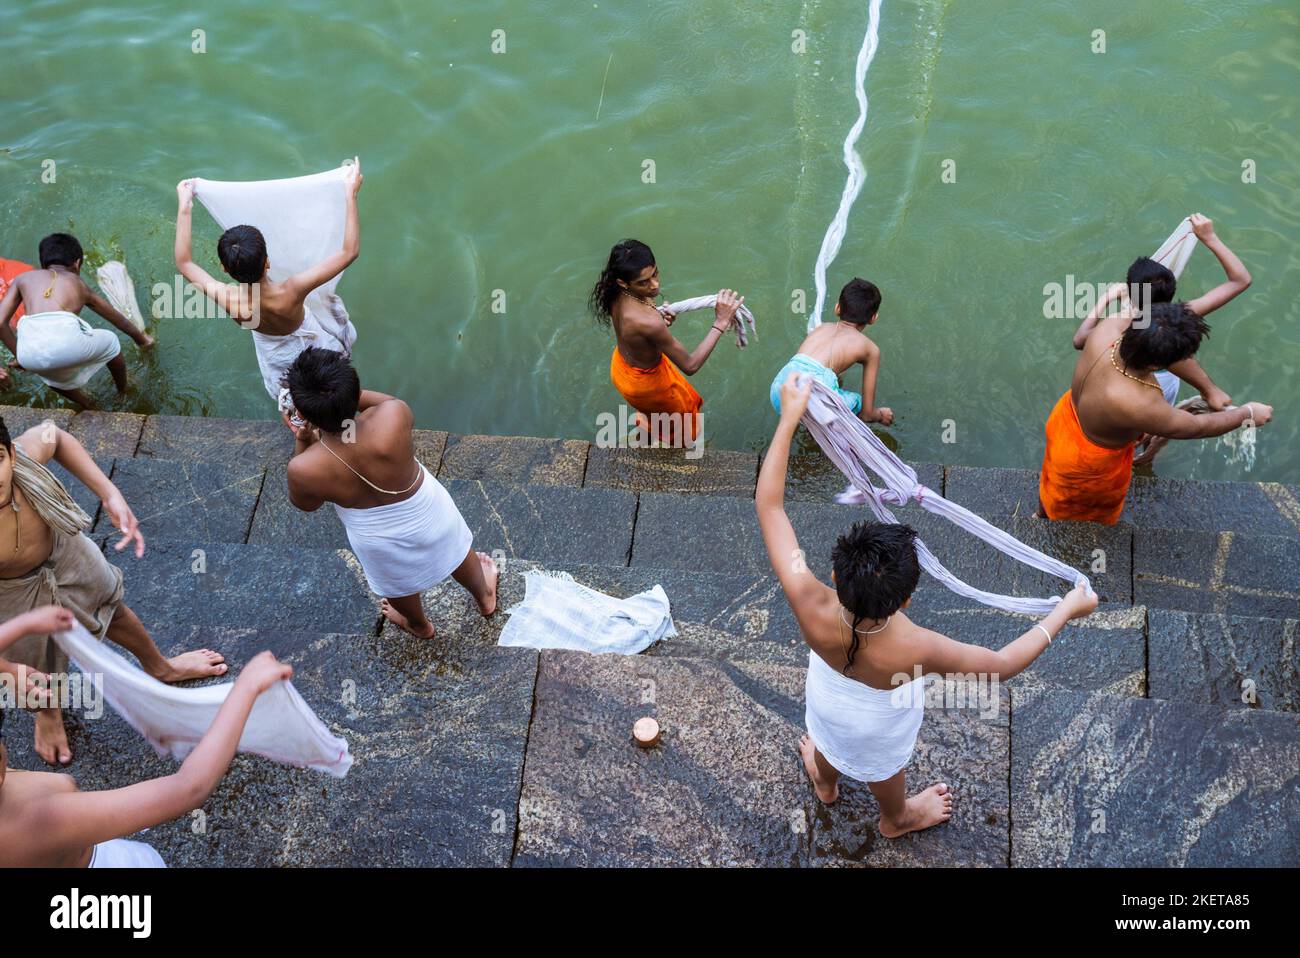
52 341
826 353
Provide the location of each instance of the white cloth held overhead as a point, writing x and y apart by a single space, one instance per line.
559 613
118 289
865 733
303 220
1173 254
409 546
124 853
742 319
281 727
62 349
854 448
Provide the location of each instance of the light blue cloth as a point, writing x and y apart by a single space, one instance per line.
806 364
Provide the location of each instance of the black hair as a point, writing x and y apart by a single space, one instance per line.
876 572
626 261
1146 273
242 251
859 301
6 440
325 388
60 249
1172 333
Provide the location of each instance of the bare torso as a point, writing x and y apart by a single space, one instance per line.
897 649
633 320
836 346
23 792
33 538
1114 409
49 290
280 311
384 452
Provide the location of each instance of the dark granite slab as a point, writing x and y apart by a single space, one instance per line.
716 472
429 446
1224 573
193 501
994 494
278 521
1225 660
553 462
1244 507
547 523
108 435
18 419
241 442
1124 782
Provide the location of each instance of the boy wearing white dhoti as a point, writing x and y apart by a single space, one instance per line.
865 701
357 451
286 313
51 340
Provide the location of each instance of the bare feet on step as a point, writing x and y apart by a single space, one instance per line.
399 620
490 576
201 664
923 810
52 738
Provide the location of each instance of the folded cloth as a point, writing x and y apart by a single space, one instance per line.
10 269
76 577
559 613
662 389
1080 479
865 733
743 318
303 220
854 448
62 349
281 727
409 546
122 853
823 374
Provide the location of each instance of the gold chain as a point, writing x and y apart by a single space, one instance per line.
1127 374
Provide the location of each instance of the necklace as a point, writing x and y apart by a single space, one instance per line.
54 278
643 302
1126 373
879 628
13 504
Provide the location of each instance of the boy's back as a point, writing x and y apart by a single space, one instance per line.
838 346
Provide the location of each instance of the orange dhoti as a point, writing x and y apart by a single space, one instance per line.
9 271
662 394
1080 479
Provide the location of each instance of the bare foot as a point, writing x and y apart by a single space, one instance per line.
490 575
52 738
399 620
201 664
923 810
808 752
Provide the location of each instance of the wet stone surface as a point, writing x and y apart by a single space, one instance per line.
247 443
278 521
717 472
515 459
209 502
108 435
1224 573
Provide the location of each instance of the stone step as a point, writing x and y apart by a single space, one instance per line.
1118 782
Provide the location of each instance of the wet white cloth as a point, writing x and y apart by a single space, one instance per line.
62 349
409 546
124 853
118 289
743 318
1173 254
559 613
867 734
302 220
281 727
854 448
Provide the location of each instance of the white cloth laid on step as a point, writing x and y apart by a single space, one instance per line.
743 318
281 727
124 853
865 733
409 546
302 219
62 349
849 443
559 613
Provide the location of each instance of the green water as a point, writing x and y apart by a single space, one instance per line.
514 171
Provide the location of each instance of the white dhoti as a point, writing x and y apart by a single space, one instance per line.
1169 386
122 853
325 325
408 546
867 734
63 349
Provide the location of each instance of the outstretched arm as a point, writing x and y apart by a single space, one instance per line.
81 819
1160 419
1190 372
102 306
801 587
870 359
1238 276
223 294
300 284
691 362
1114 291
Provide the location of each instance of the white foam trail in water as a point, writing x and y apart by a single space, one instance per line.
857 172
1240 446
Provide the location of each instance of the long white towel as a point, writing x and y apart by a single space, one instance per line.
867 734
1173 254
302 219
559 613
62 349
855 449
281 727
408 546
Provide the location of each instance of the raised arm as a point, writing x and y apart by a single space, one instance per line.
691 362
802 588
223 294
1113 292
1238 276
300 284
81 819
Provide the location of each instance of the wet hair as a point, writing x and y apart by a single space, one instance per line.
60 249
1173 333
859 301
626 261
325 388
1147 273
6 440
242 251
876 572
